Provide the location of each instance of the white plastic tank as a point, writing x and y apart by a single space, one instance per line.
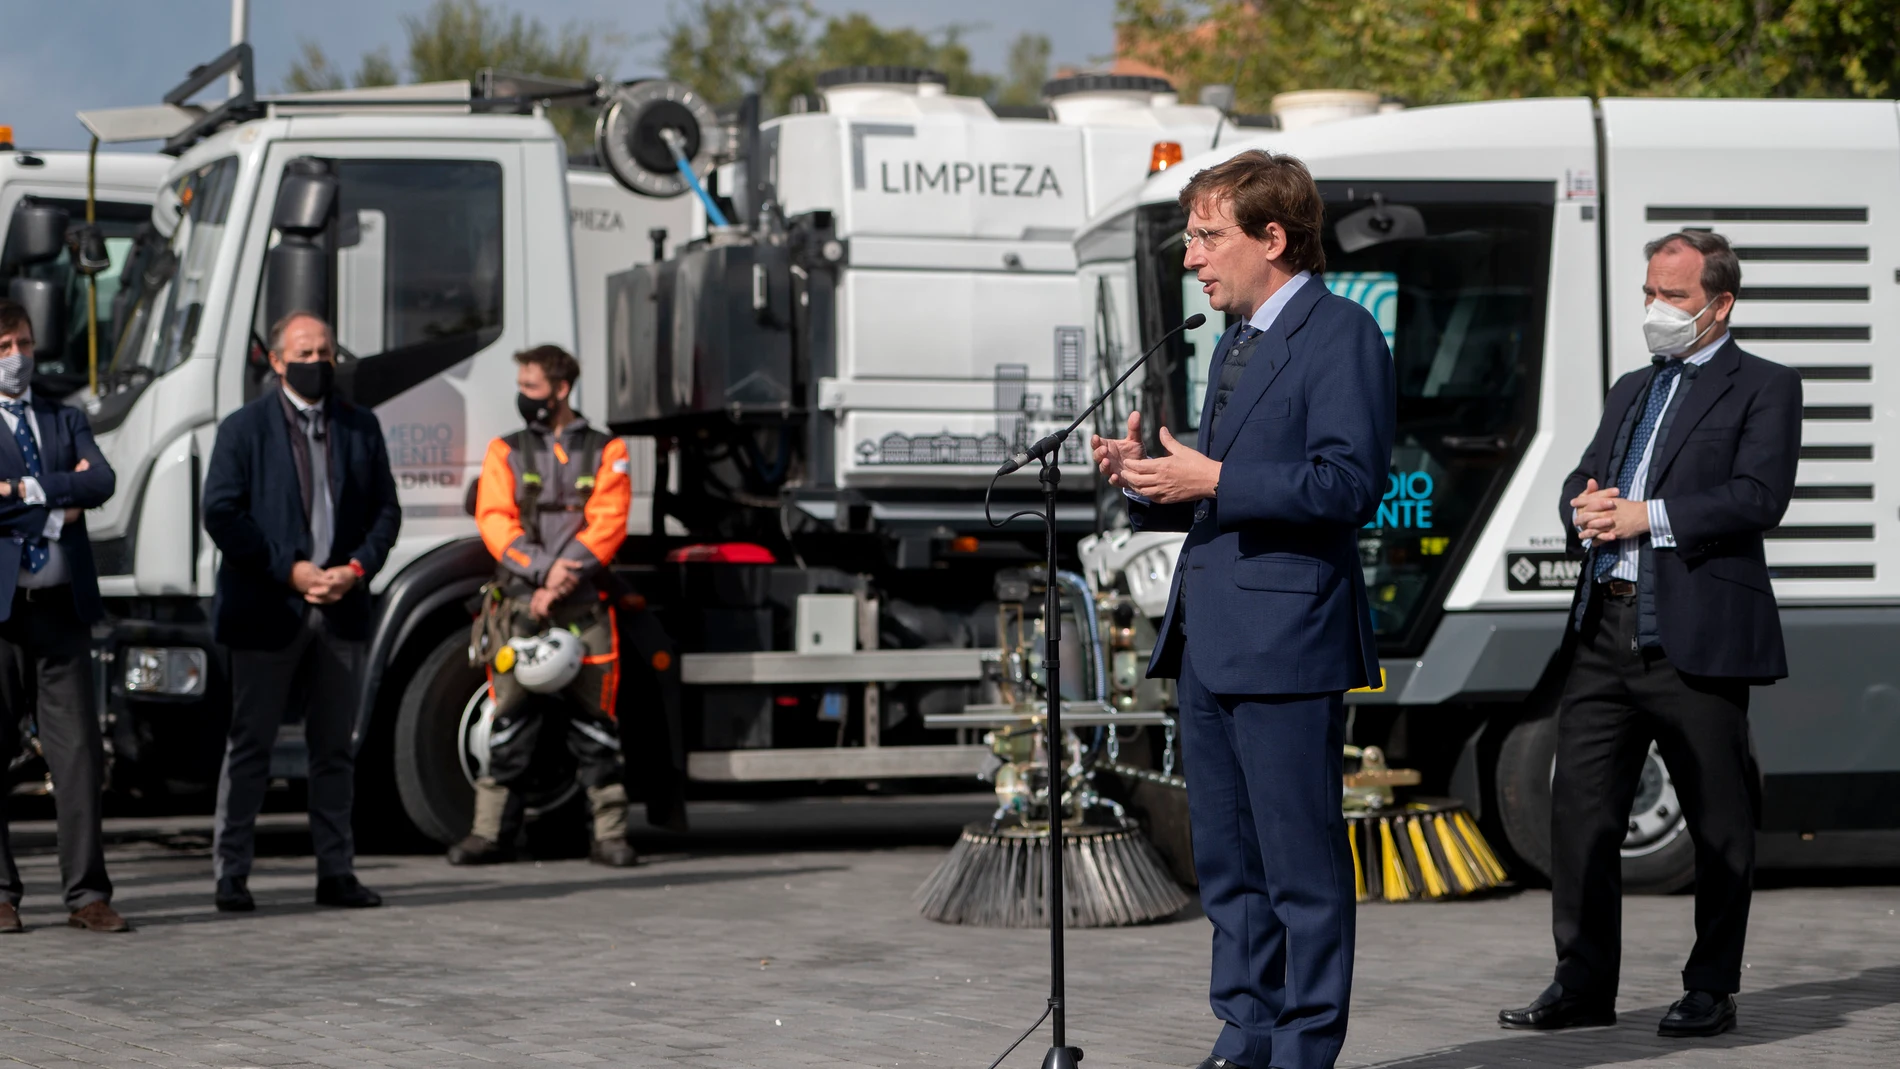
1311 107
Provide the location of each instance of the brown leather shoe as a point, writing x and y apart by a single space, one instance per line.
10 919
98 917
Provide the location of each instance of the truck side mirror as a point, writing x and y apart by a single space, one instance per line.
297 274
37 235
44 304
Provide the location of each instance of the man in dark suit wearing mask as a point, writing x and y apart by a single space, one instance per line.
1674 618
301 501
50 472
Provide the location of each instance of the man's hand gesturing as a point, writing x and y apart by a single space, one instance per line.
1112 454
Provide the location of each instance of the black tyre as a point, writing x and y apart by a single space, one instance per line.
1658 854
441 747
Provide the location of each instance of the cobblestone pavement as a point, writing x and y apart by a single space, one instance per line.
761 943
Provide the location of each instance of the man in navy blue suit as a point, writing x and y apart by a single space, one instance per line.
50 472
300 499
1268 625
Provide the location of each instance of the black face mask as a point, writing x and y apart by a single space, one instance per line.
535 410
311 379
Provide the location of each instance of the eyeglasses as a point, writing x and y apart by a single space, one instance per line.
1205 236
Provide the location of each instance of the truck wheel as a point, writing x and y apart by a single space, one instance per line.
1658 854
442 746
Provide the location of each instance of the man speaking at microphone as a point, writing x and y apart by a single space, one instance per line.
1268 626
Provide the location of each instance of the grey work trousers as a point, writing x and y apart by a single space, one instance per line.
320 674
46 667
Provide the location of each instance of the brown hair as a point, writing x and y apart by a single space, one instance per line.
1267 187
1721 268
13 316
555 362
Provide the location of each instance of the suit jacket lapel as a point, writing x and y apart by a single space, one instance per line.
277 451
1712 380
11 450
1270 357
1213 380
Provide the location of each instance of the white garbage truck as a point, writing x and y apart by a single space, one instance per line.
1500 246
860 301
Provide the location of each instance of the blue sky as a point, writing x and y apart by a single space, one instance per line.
59 58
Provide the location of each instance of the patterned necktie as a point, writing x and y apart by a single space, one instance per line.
36 550
1233 365
1639 440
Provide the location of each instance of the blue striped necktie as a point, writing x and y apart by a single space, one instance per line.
36 550
1639 440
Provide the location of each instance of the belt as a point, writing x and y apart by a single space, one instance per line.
1619 588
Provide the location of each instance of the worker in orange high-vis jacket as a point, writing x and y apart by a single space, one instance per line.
552 508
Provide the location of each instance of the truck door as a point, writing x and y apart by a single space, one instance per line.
1809 194
425 254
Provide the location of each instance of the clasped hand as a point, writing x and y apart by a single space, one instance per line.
70 515
1184 474
1603 515
563 576
322 586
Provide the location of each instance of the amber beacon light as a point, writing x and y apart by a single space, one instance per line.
1165 155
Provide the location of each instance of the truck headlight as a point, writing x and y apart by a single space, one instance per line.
173 670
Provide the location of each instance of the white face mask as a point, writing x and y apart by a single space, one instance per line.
16 372
1669 330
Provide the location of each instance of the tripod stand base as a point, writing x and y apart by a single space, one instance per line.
1062 1058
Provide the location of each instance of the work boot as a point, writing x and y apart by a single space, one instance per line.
475 850
614 853
609 806
611 848
10 919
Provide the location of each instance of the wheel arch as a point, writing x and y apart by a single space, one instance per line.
430 588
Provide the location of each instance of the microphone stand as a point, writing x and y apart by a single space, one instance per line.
1048 450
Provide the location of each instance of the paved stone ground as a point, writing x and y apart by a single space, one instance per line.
763 941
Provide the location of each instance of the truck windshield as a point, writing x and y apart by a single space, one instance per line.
1457 276
162 294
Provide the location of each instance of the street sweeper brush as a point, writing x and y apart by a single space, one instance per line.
999 879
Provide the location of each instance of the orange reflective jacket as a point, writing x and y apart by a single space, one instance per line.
544 497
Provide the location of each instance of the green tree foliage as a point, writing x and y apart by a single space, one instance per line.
1028 69
1434 51
777 48
454 39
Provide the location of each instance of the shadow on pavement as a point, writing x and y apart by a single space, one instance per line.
1765 1016
151 912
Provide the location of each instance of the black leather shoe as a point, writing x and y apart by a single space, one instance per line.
614 853
1699 1013
1559 1008
345 892
234 895
475 850
1212 1062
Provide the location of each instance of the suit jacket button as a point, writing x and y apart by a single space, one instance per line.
1200 512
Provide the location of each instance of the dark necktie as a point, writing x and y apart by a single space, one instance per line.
36 550
322 521
1232 367
1639 441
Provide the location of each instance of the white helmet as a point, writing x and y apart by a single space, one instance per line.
547 662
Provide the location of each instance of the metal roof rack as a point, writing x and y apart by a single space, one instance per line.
181 124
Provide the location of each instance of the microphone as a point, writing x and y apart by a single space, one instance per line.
1049 443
